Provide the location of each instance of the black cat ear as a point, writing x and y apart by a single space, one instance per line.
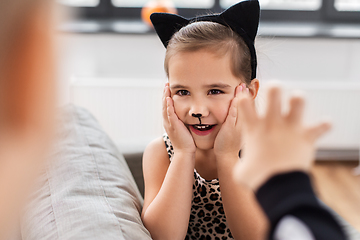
243 18
167 24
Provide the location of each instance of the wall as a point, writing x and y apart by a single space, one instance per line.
110 65
141 56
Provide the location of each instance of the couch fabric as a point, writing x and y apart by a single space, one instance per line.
86 191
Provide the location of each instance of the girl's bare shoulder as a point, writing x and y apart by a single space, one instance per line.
156 153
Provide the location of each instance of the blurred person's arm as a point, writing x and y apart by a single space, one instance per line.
278 153
27 105
291 205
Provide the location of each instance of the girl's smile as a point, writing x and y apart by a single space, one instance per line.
202 129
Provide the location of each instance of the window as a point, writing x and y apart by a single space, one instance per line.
177 3
321 16
347 5
80 3
126 3
344 11
301 5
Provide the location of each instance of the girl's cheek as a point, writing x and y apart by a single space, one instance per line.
222 110
179 108
224 115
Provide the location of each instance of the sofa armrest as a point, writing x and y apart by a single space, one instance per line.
86 190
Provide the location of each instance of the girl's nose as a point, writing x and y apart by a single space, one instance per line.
199 115
199 111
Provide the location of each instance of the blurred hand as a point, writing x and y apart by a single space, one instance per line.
277 142
179 135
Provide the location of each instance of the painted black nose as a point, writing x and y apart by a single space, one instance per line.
196 115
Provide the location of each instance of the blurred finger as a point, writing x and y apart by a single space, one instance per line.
296 110
273 111
318 130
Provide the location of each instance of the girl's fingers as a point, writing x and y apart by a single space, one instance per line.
171 115
166 94
239 89
246 112
273 111
241 92
232 114
296 109
318 130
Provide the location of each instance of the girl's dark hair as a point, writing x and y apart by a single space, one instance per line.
217 38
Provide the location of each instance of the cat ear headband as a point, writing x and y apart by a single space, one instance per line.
242 18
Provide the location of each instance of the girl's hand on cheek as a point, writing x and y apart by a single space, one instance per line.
228 141
179 135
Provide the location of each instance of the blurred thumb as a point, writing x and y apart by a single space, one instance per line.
318 130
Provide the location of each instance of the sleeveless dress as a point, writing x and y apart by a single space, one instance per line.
207 216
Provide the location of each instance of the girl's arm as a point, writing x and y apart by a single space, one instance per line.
289 199
168 192
168 187
243 214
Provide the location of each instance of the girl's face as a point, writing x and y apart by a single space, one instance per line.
202 83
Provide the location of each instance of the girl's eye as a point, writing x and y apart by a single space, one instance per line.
183 92
215 92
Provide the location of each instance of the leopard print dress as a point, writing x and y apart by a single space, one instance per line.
207 216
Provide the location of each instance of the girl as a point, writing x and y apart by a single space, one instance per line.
210 62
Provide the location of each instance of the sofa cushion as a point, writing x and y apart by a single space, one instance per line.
86 190
134 161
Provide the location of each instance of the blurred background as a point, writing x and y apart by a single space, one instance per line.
111 62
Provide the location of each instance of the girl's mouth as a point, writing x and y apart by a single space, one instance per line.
202 129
